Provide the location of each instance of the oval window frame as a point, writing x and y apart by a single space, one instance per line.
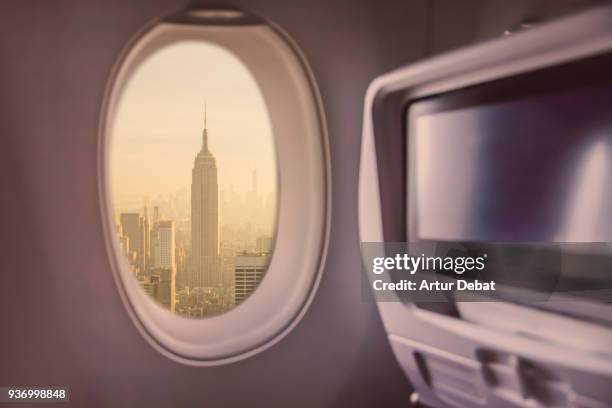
303 187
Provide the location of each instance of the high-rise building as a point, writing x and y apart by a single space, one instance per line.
204 217
165 247
144 249
153 236
156 216
130 226
182 267
249 270
125 244
124 241
166 289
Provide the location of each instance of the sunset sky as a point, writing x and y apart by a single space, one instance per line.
158 127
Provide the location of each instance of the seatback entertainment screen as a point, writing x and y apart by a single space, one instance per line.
535 168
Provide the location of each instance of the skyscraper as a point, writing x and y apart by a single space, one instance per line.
144 248
182 267
204 217
165 246
165 293
153 244
249 270
130 225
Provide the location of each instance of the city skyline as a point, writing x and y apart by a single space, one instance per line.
199 268
194 189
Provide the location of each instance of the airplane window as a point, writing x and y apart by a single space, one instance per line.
214 185
193 183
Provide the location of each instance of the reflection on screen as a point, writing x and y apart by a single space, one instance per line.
529 170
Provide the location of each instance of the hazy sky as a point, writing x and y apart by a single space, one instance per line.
158 127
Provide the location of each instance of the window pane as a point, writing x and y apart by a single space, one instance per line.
193 178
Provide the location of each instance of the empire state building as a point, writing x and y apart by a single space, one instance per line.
204 217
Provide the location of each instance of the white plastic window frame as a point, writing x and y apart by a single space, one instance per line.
303 183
